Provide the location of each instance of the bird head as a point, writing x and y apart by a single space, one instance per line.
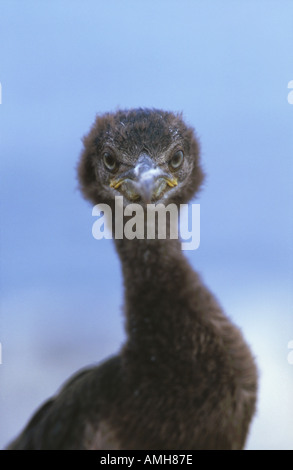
145 155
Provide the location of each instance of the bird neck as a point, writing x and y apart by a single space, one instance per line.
157 282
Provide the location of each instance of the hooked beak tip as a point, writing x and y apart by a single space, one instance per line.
145 188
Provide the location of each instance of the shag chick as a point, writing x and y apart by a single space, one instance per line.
185 377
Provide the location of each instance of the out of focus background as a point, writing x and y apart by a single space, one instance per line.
227 66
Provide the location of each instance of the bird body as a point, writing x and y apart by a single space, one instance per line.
185 377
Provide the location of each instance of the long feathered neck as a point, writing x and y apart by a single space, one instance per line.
159 284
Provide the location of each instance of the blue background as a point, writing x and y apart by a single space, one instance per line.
226 65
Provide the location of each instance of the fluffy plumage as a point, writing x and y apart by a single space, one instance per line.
185 378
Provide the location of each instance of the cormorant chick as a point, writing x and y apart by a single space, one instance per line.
185 378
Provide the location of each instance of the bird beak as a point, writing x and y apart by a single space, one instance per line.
145 180
146 176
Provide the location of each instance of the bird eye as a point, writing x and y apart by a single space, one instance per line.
109 161
176 160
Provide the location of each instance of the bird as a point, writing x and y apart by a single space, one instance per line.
185 377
